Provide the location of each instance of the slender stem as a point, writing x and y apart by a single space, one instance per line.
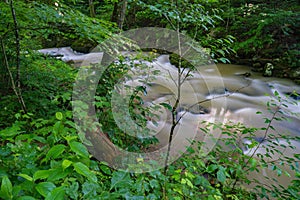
16 30
207 100
258 146
264 137
18 93
174 108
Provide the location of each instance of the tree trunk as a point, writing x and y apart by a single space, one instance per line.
114 16
119 13
122 14
92 9
16 87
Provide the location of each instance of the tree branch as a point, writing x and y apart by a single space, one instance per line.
16 30
18 93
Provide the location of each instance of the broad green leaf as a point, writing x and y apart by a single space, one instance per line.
253 162
89 187
66 163
70 137
79 149
82 169
56 194
59 115
10 131
211 168
120 179
6 188
45 188
57 174
211 197
221 174
105 169
183 181
41 174
18 188
55 151
29 178
154 183
57 128
187 182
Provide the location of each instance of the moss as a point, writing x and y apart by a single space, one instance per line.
175 59
83 45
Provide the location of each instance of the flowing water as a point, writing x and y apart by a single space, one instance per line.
217 94
227 93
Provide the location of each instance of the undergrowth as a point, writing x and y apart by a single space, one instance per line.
42 156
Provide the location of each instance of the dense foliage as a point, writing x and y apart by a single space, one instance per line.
43 157
267 32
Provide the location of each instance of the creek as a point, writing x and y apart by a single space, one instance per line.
228 94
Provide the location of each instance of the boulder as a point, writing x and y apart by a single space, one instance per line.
268 70
67 55
83 45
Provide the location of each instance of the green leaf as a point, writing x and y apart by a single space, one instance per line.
45 188
82 169
41 174
187 182
59 115
57 174
105 169
57 128
55 151
154 184
10 131
120 179
6 188
221 174
66 163
79 149
253 162
287 174
224 60
211 168
279 172
167 106
26 198
56 194
29 178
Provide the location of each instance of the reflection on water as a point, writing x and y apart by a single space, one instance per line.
227 93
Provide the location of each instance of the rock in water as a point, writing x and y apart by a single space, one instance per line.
268 71
67 55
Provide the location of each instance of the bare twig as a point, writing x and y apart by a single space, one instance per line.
207 100
15 89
